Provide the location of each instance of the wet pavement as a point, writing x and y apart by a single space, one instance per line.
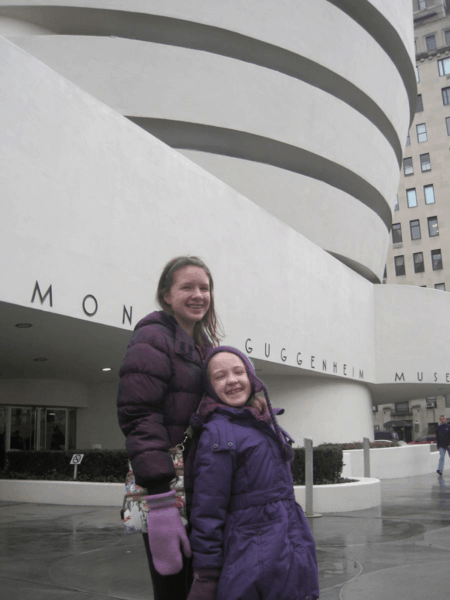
400 550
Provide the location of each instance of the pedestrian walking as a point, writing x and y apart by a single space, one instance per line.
442 441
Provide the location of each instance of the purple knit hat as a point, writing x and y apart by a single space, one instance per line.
256 386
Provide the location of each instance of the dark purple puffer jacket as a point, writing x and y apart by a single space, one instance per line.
244 516
160 388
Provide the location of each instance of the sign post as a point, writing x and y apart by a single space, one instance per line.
76 460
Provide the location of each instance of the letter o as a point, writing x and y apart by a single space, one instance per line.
86 312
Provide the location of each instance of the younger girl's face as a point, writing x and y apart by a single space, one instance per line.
229 378
189 297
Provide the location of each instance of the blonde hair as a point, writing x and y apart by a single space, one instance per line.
210 324
257 402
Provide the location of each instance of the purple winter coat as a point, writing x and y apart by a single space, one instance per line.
159 390
244 516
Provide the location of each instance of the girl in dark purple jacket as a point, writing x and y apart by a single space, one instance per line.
250 539
160 388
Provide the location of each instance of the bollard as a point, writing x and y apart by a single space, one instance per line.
366 445
309 509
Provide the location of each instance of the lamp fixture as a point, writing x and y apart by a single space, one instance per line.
23 325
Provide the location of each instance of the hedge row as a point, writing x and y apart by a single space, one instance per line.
327 465
106 466
111 466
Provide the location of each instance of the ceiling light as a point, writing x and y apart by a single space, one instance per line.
23 325
40 359
106 369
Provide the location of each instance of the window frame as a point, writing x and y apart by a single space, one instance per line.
415 224
429 37
425 188
422 133
396 231
429 221
439 264
443 65
407 197
399 267
440 288
408 167
423 162
447 124
419 103
422 262
446 95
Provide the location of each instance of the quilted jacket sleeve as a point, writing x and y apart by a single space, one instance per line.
144 379
214 468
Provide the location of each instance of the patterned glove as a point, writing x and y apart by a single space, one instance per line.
165 533
205 584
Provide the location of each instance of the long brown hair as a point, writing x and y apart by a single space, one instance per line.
210 325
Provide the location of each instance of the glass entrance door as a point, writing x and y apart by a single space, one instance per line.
37 428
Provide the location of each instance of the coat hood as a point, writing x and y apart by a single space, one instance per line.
256 385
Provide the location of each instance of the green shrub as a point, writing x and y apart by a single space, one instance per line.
104 466
327 465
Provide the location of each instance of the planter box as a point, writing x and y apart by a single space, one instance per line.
75 493
342 497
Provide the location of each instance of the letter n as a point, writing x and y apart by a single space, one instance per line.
126 314
37 290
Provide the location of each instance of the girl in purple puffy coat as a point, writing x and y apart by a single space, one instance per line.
160 388
250 539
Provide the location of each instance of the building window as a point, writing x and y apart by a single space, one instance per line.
408 140
419 103
417 74
436 259
421 133
433 226
440 286
447 122
418 262
408 168
397 233
411 197
425 163
399 262
444 65
402 407
431 42
422 4
446 96
415 229
447 38
429 194
396 203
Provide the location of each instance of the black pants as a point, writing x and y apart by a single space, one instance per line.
170 587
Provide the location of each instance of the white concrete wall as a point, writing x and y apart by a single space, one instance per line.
346 497
44 392
393 463
325 410
97 424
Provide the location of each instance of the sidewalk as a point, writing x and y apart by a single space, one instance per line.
400 550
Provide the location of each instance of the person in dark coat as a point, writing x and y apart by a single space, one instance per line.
160 388
442 442
250 539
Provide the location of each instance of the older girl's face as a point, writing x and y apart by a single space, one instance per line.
189 297
229 378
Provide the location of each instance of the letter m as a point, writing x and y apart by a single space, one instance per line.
400 377
37 290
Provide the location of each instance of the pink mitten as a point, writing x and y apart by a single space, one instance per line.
165 533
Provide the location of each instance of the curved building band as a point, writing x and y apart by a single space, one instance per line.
265 138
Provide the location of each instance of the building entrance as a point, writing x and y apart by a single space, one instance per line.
37 428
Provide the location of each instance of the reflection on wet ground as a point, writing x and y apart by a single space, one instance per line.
399 550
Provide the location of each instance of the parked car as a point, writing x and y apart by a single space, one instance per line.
424 439
391 436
